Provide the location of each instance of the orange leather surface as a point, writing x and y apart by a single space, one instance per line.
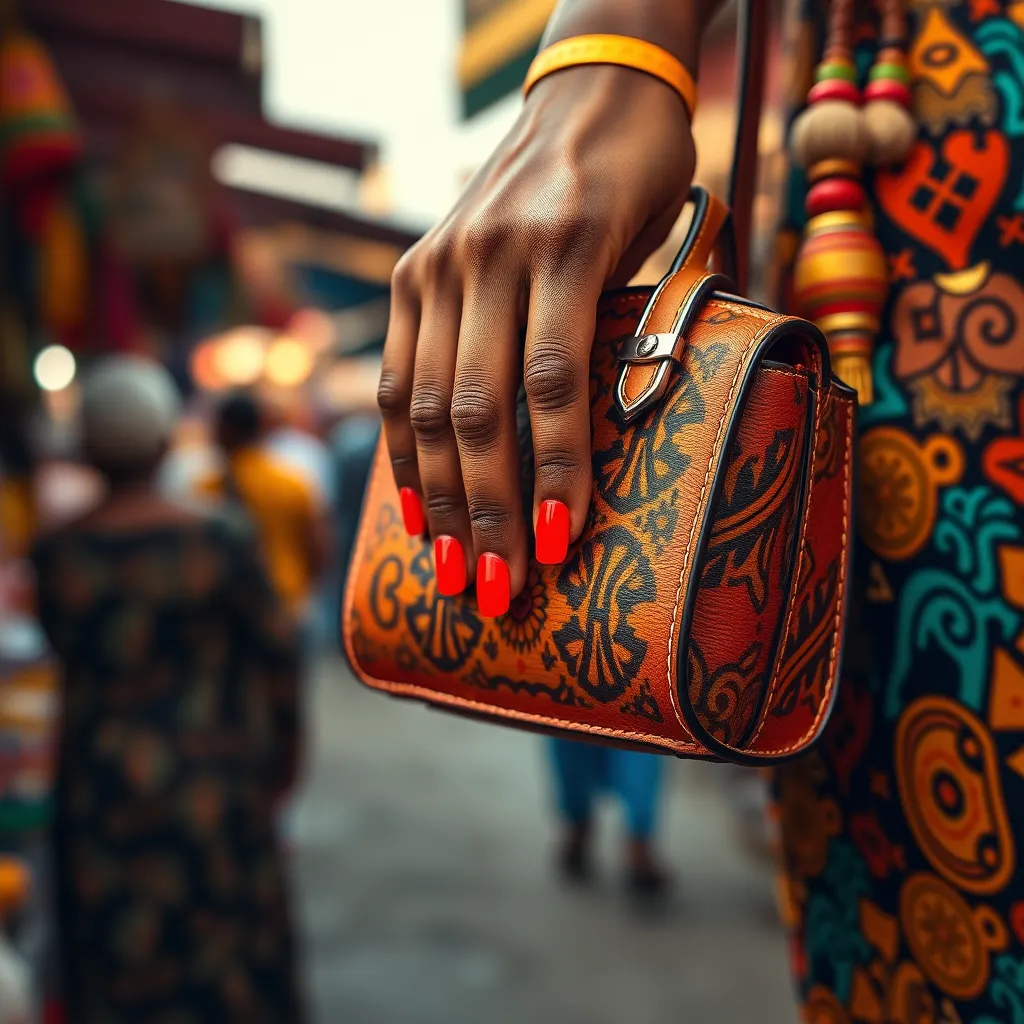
709 503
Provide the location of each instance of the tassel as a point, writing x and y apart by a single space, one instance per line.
854 369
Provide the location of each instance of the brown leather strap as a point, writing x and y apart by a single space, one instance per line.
643 380
751 47
647 362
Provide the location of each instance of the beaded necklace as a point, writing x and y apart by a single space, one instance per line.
840 278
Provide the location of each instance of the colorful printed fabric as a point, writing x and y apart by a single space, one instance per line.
904 832
179 696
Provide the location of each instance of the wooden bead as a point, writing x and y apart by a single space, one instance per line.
827 130
832 169
840 276
890 131
891 55
834 89
836 68
890 70
888 89
834 194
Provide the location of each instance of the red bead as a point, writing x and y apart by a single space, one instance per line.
887 89
834 194
834 89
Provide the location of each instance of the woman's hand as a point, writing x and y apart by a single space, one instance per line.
586 184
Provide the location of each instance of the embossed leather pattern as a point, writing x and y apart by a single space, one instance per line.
702 610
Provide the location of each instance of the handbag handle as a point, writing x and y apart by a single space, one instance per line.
646 360
751 49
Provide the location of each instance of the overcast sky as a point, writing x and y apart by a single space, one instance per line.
383 70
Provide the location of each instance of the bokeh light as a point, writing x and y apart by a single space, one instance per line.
289 362
240 356
54 368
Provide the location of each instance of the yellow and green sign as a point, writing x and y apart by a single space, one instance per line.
498 43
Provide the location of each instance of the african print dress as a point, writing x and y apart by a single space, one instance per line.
904 832
179 725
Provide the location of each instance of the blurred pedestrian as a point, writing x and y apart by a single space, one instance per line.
179 731
583 771
288 519
353 442
281 502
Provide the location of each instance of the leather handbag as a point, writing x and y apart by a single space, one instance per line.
702 610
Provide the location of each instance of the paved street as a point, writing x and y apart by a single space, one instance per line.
423 864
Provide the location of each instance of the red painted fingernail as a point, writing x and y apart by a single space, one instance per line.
492 585
450 566
412 512
552 532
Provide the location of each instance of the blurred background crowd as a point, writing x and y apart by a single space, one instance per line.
199 213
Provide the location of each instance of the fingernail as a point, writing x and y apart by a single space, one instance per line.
412 512
492 585
450 566
552 532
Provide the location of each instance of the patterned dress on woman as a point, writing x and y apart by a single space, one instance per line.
904 832
179 725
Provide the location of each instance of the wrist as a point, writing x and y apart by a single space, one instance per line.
675 27
589 95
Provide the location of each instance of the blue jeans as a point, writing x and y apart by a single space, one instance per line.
584 770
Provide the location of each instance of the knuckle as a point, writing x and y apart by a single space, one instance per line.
444 506
563 471
393 392
429 415
491 521
552 378
476 417
438 256
559 462
401 464
403 277
481 237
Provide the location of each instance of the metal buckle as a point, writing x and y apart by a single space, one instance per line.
648 348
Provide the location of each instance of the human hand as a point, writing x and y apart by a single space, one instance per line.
586 184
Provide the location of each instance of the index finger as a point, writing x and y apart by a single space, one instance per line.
394 394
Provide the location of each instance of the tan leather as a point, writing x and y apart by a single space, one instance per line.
624 641
642 384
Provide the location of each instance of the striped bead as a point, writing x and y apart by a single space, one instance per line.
840 277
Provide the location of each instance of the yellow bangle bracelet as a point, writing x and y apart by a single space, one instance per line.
611 49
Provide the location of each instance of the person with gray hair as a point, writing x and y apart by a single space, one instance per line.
179 734
130 407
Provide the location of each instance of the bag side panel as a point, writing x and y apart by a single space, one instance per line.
747 572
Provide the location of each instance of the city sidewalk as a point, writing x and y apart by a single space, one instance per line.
426 893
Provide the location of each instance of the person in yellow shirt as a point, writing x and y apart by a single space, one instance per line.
281 502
